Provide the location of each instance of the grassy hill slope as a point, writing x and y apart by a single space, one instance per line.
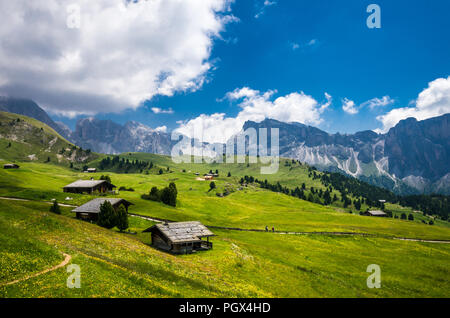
240 265
27 139
250 207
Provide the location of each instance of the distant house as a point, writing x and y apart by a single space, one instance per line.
376 213
91 170
89 186
91 209
11 166
181 237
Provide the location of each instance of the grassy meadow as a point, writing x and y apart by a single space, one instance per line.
249 208
241 264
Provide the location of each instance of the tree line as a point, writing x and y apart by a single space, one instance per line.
124 165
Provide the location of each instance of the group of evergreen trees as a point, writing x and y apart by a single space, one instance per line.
167 195
315 195
357 188
433 204
109 217
124 165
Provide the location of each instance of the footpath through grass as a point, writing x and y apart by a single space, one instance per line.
240 265
251 207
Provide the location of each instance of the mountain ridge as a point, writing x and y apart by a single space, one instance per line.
412 157
413 154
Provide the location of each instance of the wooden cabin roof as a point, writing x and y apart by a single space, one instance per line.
93 206
182 232
376 213
87 184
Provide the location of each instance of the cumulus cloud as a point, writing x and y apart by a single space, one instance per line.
158 110
349 106
431 102
255 106
123 53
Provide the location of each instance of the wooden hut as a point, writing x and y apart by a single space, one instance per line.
11 166
90 210
377 213
89 186
181 237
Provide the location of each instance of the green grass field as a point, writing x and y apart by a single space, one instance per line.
250 208
241 264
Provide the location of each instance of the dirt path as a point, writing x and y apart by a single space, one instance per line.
158 220
26 200
62 264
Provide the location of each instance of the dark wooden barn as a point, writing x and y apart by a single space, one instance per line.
11 166
90 210
181 237
89 186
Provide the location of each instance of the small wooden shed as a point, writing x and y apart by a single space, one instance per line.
377 213
181 237
11 166
89 186
90 210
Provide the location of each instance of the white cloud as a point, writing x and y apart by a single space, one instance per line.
265 5
431 102
255 106
123 53
158 110
161 129
378 102
349 106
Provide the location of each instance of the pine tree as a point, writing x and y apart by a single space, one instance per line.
155 194
107 216
122 218
55 208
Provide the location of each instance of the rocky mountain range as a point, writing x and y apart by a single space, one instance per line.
412 157
105 136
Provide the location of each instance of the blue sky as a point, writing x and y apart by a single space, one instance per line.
315 47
